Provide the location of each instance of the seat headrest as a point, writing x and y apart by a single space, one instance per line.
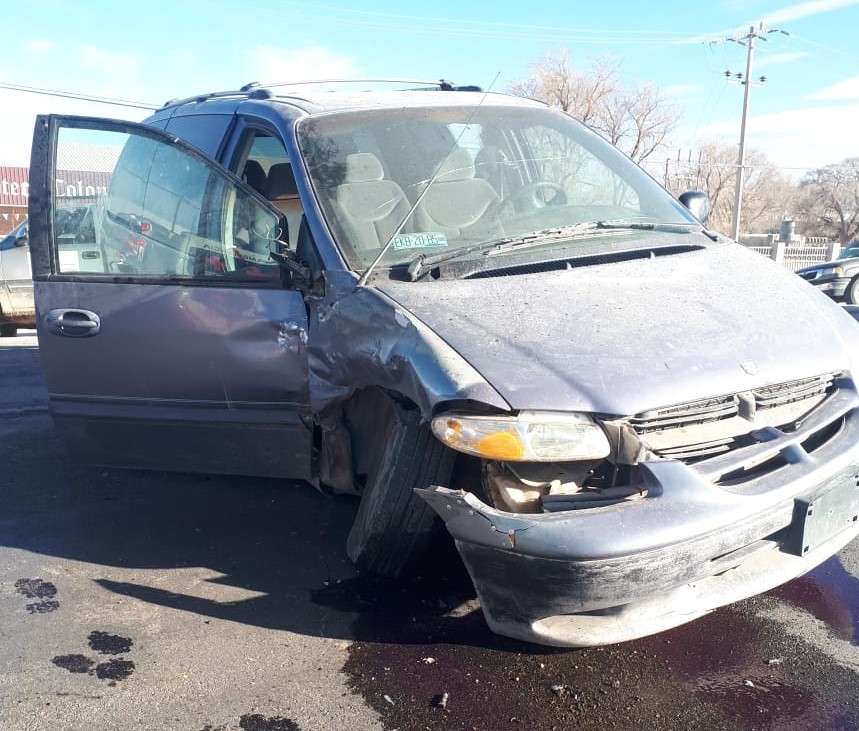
281 182
254 176
363 167
456 166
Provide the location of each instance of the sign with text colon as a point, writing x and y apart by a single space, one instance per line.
77 185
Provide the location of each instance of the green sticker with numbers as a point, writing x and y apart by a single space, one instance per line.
421 240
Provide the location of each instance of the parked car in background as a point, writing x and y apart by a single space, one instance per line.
454 303
839 278
16 284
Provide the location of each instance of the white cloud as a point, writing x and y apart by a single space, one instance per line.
798 139
19 116
269 64
95 71
847 89
39 45
785 15
805 10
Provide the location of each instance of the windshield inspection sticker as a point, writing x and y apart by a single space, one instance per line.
424 240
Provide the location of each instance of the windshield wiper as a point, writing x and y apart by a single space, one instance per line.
620 223
419 265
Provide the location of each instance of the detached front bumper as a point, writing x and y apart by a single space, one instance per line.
697 542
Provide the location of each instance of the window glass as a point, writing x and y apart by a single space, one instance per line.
130 204
424 179
584 178
268 170
204 131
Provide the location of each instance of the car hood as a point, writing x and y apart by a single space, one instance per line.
621 338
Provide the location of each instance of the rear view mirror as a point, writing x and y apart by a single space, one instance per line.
23 237
697 203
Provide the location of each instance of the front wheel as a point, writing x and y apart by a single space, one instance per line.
851 294
393 527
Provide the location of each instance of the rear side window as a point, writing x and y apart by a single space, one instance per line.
204 131
132 204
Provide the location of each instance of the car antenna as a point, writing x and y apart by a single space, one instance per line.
366 275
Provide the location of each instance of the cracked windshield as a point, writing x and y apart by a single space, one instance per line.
433 181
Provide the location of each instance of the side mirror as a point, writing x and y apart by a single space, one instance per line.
697 203
23 237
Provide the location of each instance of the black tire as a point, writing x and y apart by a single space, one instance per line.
851 294
393 527
8 331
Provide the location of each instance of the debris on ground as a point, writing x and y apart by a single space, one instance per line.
440 701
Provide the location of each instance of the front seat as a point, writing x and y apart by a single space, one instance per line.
457 201
282 191
369 206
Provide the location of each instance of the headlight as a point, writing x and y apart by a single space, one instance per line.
532 436
829 272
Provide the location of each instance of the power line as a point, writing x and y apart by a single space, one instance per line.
747 40
463 27
78 96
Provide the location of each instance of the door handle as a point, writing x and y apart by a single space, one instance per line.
72 323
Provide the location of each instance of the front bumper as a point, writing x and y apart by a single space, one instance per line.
832 286
614 573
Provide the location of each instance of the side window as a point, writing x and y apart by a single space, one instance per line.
204 131
132 204
267 168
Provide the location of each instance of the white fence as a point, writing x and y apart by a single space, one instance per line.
795 256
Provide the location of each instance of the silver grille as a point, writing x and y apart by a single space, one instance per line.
707 427
694 412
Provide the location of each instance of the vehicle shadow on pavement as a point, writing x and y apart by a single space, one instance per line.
281 541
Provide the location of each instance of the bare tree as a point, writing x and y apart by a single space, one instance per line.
831 199
769 196
636 118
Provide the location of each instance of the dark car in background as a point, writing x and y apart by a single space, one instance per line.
459 304
839 278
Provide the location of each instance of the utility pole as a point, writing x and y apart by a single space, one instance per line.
741 157
748 41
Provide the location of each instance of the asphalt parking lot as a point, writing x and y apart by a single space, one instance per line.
133 599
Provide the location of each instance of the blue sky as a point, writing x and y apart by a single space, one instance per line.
804 116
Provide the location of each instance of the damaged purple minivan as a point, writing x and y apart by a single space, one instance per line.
458 304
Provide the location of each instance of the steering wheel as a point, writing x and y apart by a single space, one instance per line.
533 195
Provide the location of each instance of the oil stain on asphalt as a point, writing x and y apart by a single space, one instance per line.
43 591
74 663
831 594
423 660
258 722
112 670
108 644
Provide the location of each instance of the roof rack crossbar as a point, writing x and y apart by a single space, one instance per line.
257 90
437 83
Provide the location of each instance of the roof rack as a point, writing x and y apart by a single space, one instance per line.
439 84
257 90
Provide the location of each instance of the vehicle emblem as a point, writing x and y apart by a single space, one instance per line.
750 367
